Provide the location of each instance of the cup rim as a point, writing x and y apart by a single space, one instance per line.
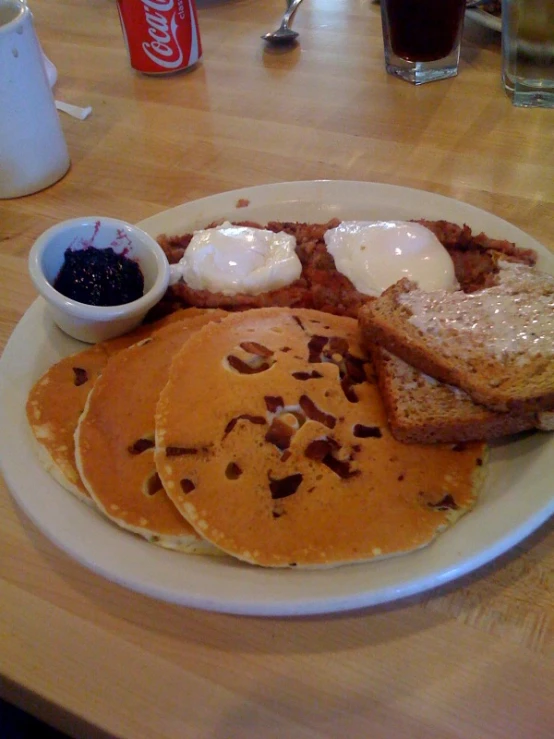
97 312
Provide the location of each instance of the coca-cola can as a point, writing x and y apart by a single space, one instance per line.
162 36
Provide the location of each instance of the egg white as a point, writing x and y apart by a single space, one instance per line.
376 254
239 259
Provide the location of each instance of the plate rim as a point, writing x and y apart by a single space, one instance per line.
486 19
317 603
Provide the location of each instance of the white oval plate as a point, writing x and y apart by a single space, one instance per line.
518 496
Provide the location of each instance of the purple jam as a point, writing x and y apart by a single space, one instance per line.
99 277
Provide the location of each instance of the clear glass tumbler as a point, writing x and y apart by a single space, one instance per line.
528 52
422 38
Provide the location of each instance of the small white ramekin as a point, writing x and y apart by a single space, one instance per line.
91 323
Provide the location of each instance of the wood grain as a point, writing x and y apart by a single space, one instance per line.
473 660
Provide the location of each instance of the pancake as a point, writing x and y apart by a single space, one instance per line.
272 441
57 400
114 440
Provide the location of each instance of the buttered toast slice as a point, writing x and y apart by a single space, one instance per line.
496 344
423 410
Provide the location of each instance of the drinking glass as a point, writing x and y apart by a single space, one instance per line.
528 52
422 38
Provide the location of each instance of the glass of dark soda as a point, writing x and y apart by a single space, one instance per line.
422 38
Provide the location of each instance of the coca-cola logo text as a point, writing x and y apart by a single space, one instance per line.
164 49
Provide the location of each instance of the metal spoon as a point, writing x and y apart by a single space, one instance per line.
476 3
284 34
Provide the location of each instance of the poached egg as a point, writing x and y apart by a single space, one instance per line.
239 259
376 254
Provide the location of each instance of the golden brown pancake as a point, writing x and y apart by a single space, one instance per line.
271 439
58 398
114 440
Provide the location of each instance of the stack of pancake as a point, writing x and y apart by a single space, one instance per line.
259 434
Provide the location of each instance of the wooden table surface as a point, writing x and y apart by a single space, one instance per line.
473 660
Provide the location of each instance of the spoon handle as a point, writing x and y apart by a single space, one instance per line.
289 14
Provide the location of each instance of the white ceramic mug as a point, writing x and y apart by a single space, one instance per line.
33 151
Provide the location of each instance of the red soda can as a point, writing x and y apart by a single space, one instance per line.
162 36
